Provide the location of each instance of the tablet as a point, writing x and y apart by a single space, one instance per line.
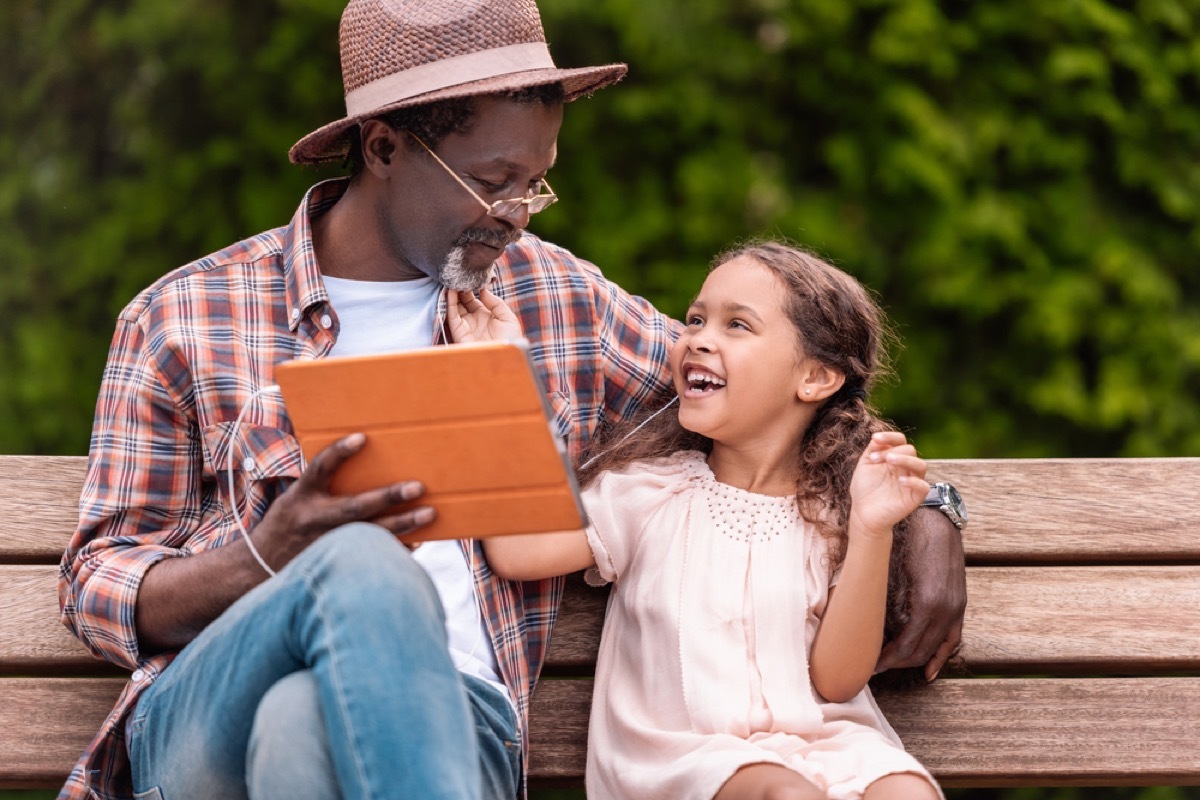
470 421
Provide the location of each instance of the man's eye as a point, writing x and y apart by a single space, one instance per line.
488 186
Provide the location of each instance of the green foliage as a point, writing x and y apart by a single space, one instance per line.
1017 179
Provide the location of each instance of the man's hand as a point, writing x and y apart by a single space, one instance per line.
307 509
936 568
480 319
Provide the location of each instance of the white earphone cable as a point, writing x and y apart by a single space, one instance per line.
641 424
233 440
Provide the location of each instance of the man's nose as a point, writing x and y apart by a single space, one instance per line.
517 218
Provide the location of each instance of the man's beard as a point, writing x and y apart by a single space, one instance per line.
455 275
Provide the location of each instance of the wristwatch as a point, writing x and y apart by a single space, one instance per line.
946 499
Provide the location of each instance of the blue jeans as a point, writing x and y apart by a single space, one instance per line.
331 680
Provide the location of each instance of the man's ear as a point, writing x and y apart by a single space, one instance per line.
817 382
378 146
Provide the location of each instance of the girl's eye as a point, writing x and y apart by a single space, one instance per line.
737 323
694 319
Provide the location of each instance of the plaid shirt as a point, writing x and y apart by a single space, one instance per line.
190 350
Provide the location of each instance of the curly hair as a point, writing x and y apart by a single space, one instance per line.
839 324
432 122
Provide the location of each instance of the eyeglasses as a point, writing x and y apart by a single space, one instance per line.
500 208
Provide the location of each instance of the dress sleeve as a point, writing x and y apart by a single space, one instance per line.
140 503
620 506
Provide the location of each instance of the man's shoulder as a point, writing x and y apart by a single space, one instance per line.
213 272
532 254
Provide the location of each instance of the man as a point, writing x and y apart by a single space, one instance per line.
357 669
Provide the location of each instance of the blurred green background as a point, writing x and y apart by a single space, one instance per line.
1018 179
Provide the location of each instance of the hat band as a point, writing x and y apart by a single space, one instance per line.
445 73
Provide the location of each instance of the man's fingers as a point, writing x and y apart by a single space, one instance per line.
407 522
372 504
944 652
325 463
912 648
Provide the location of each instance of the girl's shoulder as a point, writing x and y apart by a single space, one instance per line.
649 482
684 465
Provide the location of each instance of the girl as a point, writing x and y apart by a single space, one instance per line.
725 529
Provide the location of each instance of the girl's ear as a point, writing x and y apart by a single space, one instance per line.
817 382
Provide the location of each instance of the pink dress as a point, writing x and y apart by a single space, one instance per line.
703 664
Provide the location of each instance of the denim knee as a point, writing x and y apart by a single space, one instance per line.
369 564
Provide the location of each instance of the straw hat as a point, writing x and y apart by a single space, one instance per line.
398 53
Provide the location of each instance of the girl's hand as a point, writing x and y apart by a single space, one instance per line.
888 484
480 319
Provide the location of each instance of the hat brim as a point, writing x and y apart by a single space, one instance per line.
329 143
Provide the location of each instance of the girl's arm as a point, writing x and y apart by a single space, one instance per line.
523 556
888 484
533 556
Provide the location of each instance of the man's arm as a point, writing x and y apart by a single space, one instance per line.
179 597
130 583
937 596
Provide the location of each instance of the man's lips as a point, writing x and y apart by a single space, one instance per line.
496 241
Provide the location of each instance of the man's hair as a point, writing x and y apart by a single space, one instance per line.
433 122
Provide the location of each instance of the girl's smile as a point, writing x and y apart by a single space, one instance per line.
700 381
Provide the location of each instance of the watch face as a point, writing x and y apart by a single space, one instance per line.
954 500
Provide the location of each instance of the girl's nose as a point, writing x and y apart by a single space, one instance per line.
700 342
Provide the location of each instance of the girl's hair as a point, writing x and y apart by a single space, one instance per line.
839 324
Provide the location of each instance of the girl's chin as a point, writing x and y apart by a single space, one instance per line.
693 422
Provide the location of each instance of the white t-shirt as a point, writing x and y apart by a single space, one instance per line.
383 317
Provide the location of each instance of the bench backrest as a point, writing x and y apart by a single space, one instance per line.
1082 633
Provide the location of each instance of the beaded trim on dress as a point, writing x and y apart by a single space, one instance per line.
748 517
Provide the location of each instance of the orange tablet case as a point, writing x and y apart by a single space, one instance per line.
470 421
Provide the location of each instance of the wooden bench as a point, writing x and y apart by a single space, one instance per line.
1082 634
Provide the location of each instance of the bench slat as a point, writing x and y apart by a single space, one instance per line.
39 505
1022 510
1103 619
1078 509
32 640
1049 732
1030 619
47 723
1052 619
984 732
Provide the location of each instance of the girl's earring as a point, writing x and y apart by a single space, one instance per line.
808 391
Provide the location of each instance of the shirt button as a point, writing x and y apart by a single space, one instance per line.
295 313
248 463
326 321
137 675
